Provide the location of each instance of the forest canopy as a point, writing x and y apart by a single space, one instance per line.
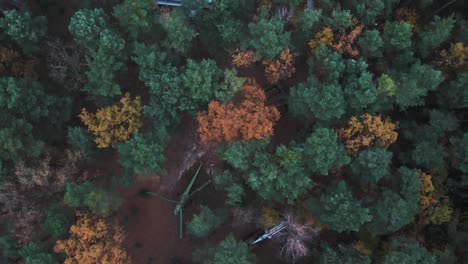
342 123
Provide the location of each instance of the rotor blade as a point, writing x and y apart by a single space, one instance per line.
442 8
200 188
162 197
189 187
181 223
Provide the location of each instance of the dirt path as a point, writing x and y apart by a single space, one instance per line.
152 228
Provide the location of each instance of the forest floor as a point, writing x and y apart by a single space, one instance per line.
151 226
153 229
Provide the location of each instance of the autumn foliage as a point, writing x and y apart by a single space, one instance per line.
281 68
325 36
115 123
264 5
346 42
270 217
364 131
454 58
247 119
15 65
362 248
409 15
434 204
427 188
243 58
93 240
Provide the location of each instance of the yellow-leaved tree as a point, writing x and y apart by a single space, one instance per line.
115 123
243 58
325 36
364 131
434 205
427 191
454 58
93 240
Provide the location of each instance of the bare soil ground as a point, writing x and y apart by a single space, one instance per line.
153 229
151 226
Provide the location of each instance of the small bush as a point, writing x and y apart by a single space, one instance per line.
206 221
56 222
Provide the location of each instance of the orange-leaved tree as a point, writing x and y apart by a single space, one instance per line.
281 68
409 15
364 131
346 42
15 65
243 58
93 240
248 119
362 247
115 123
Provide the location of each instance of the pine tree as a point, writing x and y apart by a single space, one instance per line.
371 44
416 84
340 20
396 208
205 222
232 185
268 37
371 165
359 88
315 100
405 250
324 152
57 222
135 16
460 152
86 26
142 154
156 70
327 64
24 30
397 36
339 210
342 254
228 251
436 33
90 195
368 11
179 33
36 253
201 80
